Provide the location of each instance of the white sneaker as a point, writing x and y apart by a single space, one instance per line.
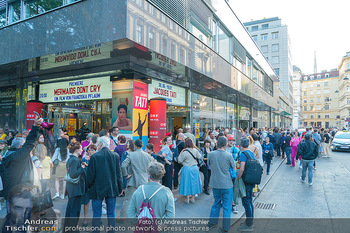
104 211
302 180
196 195
62 196
57 195
324 156
300 167
310 184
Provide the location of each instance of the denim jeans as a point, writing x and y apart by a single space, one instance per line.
97 211
307 164
224 196
268 163
288 151
278 149
247 202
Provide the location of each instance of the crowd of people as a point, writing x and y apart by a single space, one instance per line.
103 166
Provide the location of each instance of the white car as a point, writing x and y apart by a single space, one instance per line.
341 141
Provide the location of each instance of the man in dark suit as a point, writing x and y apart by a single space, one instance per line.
104 180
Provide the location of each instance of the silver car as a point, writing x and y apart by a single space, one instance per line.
341 141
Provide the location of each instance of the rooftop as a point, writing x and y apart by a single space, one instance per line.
261 21
323 75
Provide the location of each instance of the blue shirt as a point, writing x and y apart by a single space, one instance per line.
169 155
244 157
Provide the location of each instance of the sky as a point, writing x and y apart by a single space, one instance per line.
313 26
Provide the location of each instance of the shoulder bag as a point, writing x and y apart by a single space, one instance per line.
200 162
70 179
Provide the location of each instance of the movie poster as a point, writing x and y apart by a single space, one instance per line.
140 112
122 107
8 108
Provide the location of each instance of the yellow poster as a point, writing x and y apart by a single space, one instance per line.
71 127
140 125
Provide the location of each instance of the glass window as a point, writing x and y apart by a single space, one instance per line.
15 11
139 33
275 47
263 37
275 59
224 44
255 38
347 100
305 116
219 113
311 108
312 116
265 26
311 92
318 92
318 116
305 93
230 115
165 46
264 48
326 116
326 99
326 91
326 84
318 85
305 108
318 107
326 107
274 35
311 100
215 36
318 99
277 71
255 28
202 112
35 7
3 17
305 101
151 40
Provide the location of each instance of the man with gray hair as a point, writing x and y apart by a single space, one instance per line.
220 163
247 201
18 162
104 180
134 168
190 135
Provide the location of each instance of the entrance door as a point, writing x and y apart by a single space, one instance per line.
176 118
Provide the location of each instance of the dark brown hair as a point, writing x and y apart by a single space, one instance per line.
165 139
73 146
189 143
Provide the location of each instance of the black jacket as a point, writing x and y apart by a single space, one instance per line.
104 177
307 150
74 169
18 164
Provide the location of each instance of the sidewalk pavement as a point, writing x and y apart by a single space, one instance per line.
201 209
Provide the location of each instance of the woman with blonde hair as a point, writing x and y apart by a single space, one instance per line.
252 147
46 164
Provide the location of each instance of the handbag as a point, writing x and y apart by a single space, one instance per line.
160 159
70 179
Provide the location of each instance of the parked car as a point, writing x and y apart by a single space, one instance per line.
341 141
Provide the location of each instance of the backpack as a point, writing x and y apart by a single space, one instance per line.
252 171
146 222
